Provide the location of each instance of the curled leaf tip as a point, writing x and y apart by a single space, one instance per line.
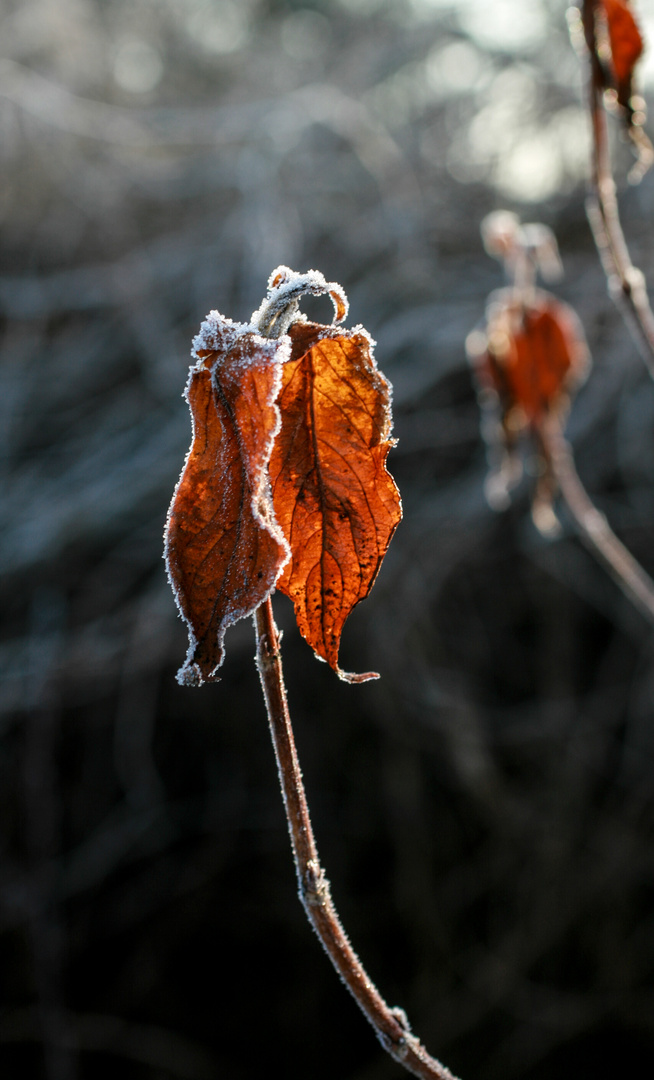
351 677
280 308
279 276
191 675
525 250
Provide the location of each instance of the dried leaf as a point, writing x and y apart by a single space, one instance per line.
224 549
612 35
334 499
528 361
625 43
291 429
533 355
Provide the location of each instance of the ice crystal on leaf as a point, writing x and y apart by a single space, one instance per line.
285 484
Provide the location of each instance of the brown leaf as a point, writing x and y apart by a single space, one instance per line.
335 501
614 40
534 354
224 549
530 358
296 407
625 43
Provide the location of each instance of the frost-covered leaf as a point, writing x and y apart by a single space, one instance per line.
291 429
224 549
528 361
334 499
532 356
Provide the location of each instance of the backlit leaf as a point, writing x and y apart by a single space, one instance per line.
527 362
533 354
224 549
285 483
626 45
615 43
335 501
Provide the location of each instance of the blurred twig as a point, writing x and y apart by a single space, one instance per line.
626 284
592 525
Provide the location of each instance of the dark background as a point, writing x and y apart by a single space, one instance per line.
485 811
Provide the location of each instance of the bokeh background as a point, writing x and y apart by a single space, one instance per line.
486 810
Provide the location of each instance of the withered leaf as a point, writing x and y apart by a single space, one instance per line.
291 429
224 549
625 43
534 354
335 501
615 43
530 358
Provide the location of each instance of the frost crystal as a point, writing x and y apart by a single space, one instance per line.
280 307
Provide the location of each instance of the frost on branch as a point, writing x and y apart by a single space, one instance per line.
285 482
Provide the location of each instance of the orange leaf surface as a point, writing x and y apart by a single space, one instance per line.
533 355
224 550
626 45
291 429
335 501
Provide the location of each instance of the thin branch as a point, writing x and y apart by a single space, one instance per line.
390 1024
626 283
592 525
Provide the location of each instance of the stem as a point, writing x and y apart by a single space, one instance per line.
625 282
593 526
391 1026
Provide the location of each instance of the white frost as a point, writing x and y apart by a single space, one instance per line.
217 334
285 287
221 335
